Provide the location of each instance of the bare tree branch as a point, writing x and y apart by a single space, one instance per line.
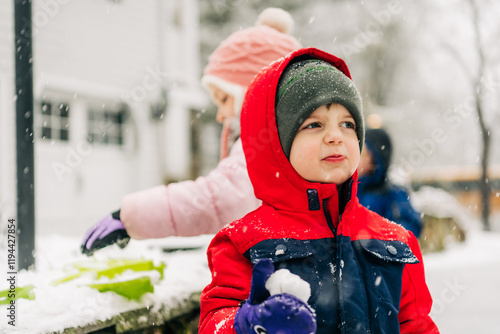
484 185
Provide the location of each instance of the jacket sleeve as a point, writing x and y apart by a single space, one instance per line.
416 301
191 208
231 276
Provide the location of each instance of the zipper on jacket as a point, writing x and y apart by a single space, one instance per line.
329 217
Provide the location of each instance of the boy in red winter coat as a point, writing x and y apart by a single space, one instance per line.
311 259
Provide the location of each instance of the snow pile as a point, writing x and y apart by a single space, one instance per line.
439 203
283 281
72 304
480 248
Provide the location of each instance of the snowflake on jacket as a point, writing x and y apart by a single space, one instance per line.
365 272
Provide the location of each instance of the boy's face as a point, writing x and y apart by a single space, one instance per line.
326 147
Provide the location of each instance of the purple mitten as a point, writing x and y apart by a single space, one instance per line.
107 231
281 313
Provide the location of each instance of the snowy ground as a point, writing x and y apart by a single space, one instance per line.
465 285
464 282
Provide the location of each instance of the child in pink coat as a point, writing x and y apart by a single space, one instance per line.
208 203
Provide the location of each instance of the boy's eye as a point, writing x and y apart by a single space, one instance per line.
312 125
348 124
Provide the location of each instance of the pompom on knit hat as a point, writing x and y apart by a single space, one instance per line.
306 85
232 66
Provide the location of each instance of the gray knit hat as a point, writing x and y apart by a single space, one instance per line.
306 85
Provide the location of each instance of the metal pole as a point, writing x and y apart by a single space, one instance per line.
24 134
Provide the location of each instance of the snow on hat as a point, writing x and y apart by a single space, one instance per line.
232 66
306 85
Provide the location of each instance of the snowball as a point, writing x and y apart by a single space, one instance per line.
283 281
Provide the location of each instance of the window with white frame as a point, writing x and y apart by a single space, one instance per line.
55 121
106 126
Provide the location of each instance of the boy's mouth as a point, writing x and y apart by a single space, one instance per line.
334 158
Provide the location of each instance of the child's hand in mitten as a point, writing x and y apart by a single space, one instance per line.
262 313
107 231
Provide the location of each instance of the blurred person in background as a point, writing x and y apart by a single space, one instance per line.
205 205
376 192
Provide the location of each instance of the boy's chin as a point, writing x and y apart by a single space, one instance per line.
338 175
333 180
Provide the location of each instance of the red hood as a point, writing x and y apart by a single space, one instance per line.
275 181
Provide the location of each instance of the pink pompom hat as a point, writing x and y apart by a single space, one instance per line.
244 53
235 62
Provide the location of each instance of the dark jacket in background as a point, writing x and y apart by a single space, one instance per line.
378 194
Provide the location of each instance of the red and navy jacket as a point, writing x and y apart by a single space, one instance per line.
366 272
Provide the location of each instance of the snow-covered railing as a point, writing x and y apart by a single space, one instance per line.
174 319
68 292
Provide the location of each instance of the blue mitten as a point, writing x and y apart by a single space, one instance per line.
281 313
107 231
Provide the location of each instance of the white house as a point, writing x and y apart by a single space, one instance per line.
115 83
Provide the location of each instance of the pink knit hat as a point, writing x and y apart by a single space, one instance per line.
244 53
232 66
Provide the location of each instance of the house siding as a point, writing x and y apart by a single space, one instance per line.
96 54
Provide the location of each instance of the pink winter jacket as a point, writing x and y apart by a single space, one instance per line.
191 208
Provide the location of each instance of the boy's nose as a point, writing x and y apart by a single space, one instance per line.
333 135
